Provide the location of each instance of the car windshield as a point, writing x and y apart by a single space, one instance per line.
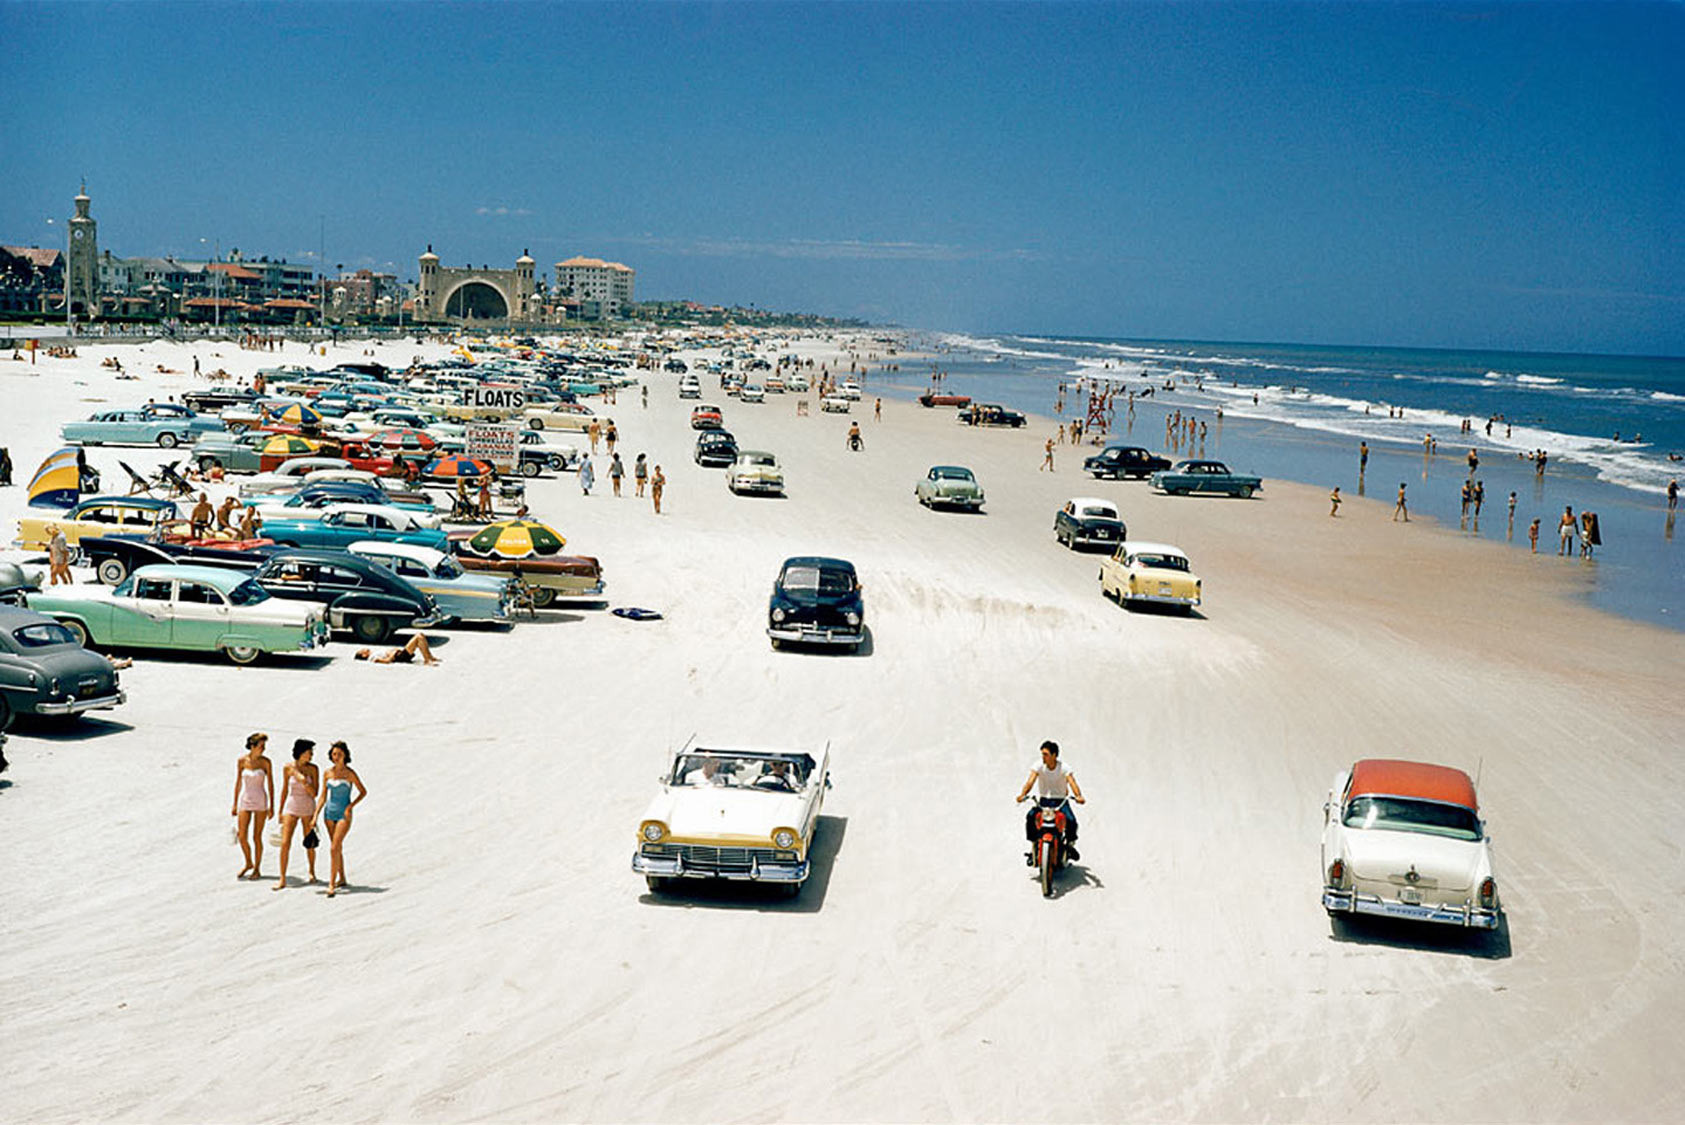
448 568
1403 814
759 459
739 771
42 634
1161 562
825 580
248 593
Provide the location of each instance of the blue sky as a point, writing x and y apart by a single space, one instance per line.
1494 175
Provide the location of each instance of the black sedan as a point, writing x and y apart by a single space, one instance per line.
358 596
817 601
1119 461
44 671
716 449
1086 521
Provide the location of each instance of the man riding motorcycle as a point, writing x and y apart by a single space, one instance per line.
1056 786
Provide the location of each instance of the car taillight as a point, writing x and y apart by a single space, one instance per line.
1336 872
1488 891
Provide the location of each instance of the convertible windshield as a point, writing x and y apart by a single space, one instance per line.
248 593
742 772
1401 814
825 580
42 634
1161 562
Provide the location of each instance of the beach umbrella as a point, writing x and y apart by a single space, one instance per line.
57 483
403 441
286 445
450 468
516 539
298 414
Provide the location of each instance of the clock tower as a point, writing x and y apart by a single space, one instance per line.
81 271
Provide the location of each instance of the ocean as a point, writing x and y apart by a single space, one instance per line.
1298 412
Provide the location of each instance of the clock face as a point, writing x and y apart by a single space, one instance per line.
78 234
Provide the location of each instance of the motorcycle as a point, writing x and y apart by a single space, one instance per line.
1049 852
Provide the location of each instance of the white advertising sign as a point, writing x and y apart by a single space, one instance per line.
493 441
496 398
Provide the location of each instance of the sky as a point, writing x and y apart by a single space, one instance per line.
1505 175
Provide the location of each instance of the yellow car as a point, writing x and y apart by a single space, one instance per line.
97 515
1152 573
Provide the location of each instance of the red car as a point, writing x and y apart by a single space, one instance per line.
706 417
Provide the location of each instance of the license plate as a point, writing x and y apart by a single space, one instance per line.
1410 895
1164 589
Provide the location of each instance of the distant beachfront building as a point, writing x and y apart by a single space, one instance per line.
469 293
28 274
603 288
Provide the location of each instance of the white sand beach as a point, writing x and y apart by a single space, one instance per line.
496 958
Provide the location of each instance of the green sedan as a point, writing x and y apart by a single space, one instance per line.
199 608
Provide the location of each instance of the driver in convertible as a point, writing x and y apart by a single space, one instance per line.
777 776
704 772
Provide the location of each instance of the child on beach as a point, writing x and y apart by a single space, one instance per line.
1334 501
657 483
1399 509
1533 536
254 800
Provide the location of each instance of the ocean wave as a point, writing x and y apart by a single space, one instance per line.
1538 380
1663 396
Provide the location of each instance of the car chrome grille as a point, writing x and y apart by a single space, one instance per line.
705 858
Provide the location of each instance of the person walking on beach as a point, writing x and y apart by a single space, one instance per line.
58 557
300 780
1334 501
1362 457
1533 536
646 396
615 471
1400 509
254 801
587 474
1512 510
334 807
594 431
610 436
877 410
640 475
1673 494
1047 456
657 483
1565 531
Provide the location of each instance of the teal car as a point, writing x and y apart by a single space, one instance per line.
194 608
128 427
1205 476
341 526
234 453
462 596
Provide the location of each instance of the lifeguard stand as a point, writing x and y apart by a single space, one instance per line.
1097 422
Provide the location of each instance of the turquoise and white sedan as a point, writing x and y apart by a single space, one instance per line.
129 427
197 608
461 596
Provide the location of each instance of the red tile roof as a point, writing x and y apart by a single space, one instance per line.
38 257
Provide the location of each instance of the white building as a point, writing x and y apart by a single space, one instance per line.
592 280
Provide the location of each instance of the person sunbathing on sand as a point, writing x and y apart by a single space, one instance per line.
417 646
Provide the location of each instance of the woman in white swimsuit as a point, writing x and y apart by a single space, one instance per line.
254 801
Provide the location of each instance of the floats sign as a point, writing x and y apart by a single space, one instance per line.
492 441
512 399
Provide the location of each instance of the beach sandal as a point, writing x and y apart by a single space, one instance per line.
635 613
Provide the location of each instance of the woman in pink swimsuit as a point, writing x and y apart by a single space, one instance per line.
300 780
254 801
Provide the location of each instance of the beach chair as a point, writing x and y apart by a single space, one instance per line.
169 478
138 484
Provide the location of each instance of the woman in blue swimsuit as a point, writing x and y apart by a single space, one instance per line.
334 807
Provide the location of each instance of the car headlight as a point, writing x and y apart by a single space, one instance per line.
654 830
784 838
851 617
778 614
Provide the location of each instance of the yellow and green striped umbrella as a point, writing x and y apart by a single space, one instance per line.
286 445
517 539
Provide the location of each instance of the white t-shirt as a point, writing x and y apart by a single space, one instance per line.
1053 782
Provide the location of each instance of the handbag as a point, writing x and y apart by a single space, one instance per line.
311 839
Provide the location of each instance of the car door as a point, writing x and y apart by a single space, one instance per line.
338 529
201 617
294 579
142 615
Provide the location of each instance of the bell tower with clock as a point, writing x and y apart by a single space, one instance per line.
81 273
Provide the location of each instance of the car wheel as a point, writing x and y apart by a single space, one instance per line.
556 463
529 468
777 645
206 464
1246 492
543 597
535 423
242 654
79 631
371 629
112 571
655 883
167 440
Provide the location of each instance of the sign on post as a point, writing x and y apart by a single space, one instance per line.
512 399
496 442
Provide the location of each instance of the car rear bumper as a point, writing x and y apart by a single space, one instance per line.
1467 915
1158 599
816 635
771 487
74 706
674 867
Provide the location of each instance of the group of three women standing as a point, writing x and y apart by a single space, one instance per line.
310 794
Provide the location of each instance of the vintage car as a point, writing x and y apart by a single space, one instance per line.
797 382
850 390
757 471
816 601
314 498
1120 461
1405 840
989 414
773 385
706 416
175 412
715 449
752 392
690 387
44 670
951 485
561 416
551 578
1205 476
933 399
361 597
536 448
733 814
1085 521
337 527
196 608
97 515
233 453
835 404
115 557
289 476
461 596
128 427
1140 572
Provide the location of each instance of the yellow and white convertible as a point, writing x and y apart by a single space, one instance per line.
734 814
